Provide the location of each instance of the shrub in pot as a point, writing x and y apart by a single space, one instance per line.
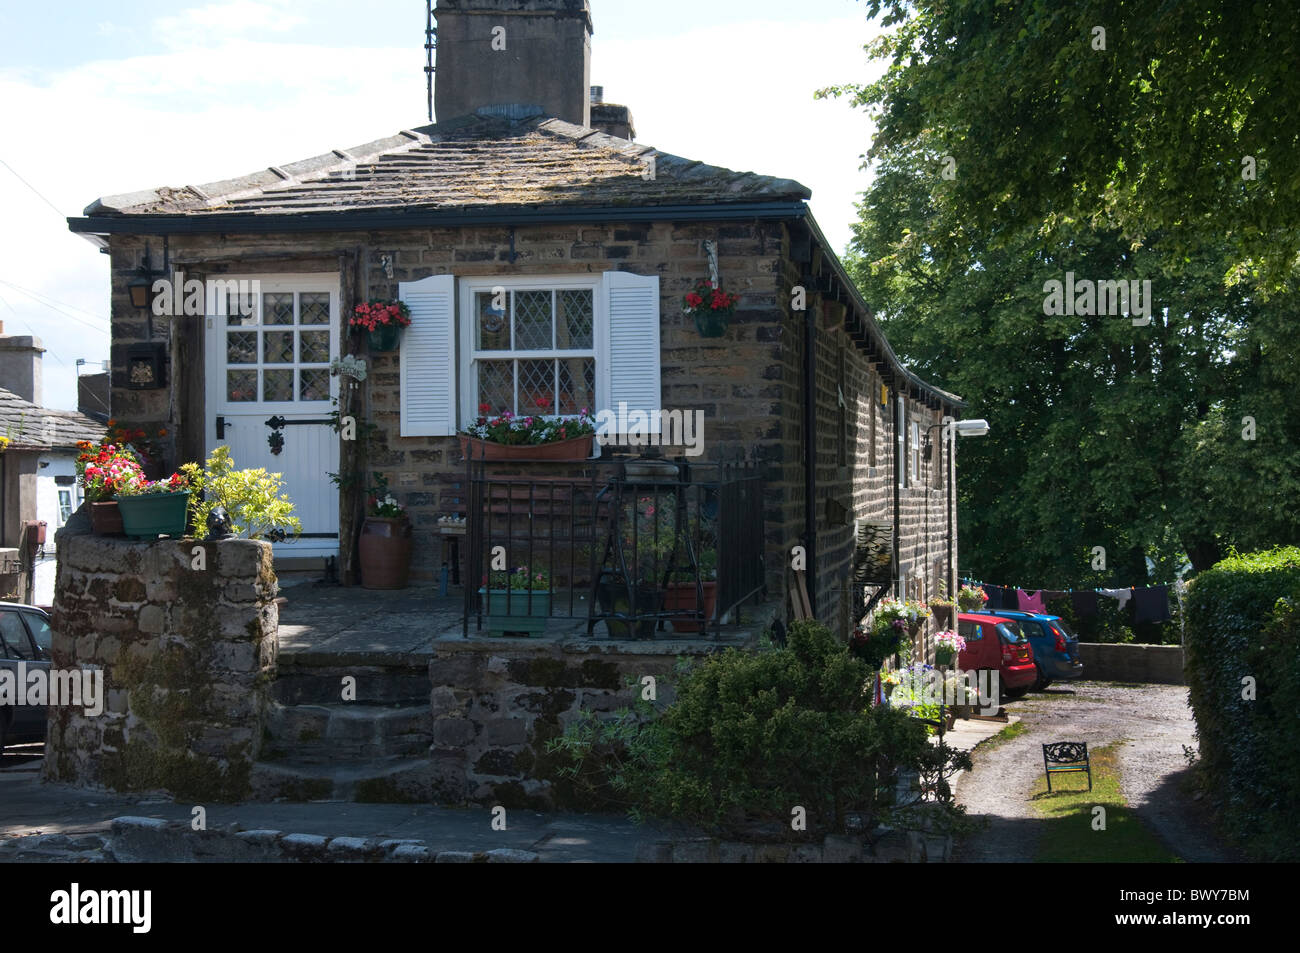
254 500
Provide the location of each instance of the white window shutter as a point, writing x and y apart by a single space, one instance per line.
428 358
632 366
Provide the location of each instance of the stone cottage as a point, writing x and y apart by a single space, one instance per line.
526 184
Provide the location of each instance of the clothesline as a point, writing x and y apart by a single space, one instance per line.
1150 603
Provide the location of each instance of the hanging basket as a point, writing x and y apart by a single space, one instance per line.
385 338
711 325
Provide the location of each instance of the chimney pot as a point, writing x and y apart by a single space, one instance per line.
597 95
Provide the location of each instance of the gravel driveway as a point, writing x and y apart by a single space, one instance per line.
1154 722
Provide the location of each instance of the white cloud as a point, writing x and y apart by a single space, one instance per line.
223 20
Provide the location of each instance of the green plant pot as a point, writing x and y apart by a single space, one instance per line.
154 514
944 657
509 612
711 325
386 337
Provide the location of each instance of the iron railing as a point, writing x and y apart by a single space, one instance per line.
651 548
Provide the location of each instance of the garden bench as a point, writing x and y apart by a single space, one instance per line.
1063 757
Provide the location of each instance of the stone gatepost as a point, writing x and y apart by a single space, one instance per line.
185 634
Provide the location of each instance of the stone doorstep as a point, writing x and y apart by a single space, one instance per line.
144 839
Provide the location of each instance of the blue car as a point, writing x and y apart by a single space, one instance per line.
1056 650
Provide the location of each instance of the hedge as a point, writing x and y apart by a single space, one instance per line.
1243 624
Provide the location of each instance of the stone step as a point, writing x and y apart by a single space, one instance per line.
381 781
371 685
346 733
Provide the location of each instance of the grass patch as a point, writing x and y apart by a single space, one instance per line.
1068 835
1013 730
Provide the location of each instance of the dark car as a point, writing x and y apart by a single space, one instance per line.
1056 650
995 642
24 638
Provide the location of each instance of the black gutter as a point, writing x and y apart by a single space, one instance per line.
810 454
238 223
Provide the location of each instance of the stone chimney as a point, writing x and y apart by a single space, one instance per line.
610 118
20 366
513 58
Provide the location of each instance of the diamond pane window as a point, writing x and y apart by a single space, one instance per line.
577 385
533 321
496 386
314 347
241 347
508 369
241 386
277 308
277 385
315 308
493 324
278 347
536 387
314 384
574 320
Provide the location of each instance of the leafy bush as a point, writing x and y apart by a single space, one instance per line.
253 499
752 736
1243 622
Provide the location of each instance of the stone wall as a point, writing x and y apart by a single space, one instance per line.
496 703
187 653
1147 664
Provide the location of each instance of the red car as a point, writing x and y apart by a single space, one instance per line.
995 642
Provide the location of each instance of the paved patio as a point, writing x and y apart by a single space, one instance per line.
404 625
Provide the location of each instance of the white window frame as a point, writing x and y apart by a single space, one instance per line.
913 452
72 504
467 368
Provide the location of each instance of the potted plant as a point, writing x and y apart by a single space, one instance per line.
383 320
385 541
647 526
876 645
711 307
254 500
943 608
947 646
681 594
145 447
153 508
540 437
518 601
103 470
971 598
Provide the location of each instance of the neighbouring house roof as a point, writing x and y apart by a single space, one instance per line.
481 162
30 427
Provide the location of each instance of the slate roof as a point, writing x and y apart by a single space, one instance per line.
477 162
30 427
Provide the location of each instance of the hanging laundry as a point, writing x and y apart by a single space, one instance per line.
1122 595
1028 603
1051 594
1151 605
1085 604
996 596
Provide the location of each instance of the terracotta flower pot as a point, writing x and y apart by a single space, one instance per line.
681 596
575 451
106 519
385 553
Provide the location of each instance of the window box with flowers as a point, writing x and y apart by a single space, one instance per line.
518 602
541 437
385 542
711 307
153 508
383 320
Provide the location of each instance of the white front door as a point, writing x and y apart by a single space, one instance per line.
269 394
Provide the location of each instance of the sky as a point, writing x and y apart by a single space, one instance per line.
100 98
